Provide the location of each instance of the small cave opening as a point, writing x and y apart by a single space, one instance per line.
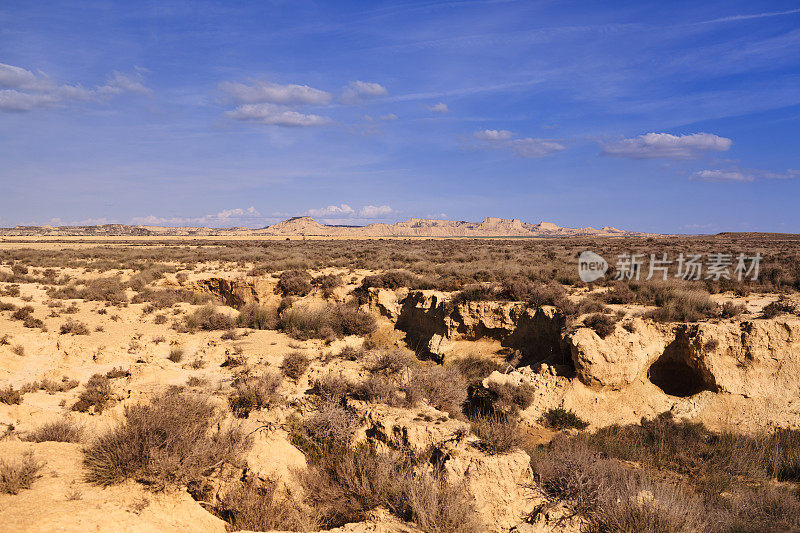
674 373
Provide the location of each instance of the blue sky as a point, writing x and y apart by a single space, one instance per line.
652 116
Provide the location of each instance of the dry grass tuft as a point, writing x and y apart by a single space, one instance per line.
169 442
18 475
57 431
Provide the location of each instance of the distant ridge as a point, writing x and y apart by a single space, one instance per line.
307 226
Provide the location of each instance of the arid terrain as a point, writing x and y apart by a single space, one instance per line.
394 385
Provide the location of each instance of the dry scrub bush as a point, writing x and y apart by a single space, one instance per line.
398 380
73 327
96 394
475 367
10 396
295 364
256 505
603 325
720 482
118 372
57 431
499 433
208 318
102 289
18 475
329 322
344 485
169 442
176 355
254 392
611 497
779 307
560 418
328 282
294 283
257 316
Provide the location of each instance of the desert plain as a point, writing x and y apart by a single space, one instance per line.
212 383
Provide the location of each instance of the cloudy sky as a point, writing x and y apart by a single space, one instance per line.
654 116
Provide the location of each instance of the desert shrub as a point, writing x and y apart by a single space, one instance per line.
377 388
390 361
18 475
101 289
305 323
66 384
475 367
778 307
118 372
33 322
682 305
443 387
169 442
325 323
351 353
7 306
619 293
57 431
331 427
22 313
255 505
730 310
209 319
499 433
343 485
254 392
10 396
294 283
476 293
328 282
603 325
611 497
257 316
295 364
18 350
176 355
73 327
349 320
96 394
166 298
331 388
560 418
509 398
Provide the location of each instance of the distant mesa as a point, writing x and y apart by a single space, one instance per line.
307 226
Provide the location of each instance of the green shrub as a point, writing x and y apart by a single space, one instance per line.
560 418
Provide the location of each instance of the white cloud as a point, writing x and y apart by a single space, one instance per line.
665 145
533 148
356 91
276 115
345 212
375 211
120 82
24 90
742 175
343 209
389 117
526 147
266 92
719 176
441 107
225 217
493 135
